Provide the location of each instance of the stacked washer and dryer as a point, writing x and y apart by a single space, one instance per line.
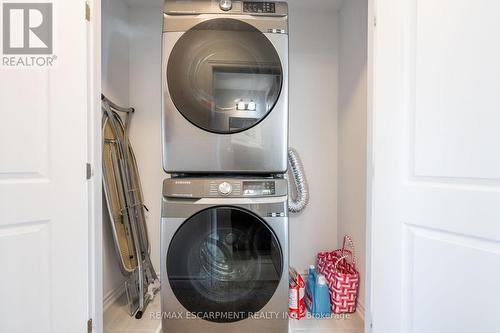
224 228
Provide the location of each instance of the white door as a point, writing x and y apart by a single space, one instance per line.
436 167
43 188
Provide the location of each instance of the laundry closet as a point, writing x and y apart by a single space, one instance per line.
328 97
393 110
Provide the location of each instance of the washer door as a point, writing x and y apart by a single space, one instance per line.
224 76
223 264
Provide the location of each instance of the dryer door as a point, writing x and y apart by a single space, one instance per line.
223 264
224 76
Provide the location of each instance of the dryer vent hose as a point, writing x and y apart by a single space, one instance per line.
296 170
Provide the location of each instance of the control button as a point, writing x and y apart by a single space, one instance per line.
225 5
225 188
252 106
241 105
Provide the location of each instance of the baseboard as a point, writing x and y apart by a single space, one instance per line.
113 296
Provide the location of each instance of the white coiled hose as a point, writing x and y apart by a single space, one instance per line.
296 170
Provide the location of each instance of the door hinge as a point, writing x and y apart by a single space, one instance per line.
87 11
89 326
89 170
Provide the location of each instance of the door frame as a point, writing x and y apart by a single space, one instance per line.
96 297
371 39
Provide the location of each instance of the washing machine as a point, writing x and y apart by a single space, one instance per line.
224 255
225 87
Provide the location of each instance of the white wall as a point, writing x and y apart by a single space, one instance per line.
313 124
115 51
352 128
115 78
131 56
146 23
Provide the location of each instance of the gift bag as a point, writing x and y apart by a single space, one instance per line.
339 268
296 304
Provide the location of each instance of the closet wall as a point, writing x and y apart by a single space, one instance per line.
352 131
115 80
131 66
313 123
328 109
146 21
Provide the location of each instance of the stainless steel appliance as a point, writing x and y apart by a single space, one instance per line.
224 255
225 87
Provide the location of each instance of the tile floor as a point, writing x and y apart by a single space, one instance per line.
351 323
117 320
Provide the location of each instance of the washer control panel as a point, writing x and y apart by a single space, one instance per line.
225 188
259 7
220 188
259 188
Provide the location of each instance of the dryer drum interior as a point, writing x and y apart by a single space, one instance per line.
224 76
224 260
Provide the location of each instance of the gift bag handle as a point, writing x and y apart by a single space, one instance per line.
339 260
348 239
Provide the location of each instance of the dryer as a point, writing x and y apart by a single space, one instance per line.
225 87
224 255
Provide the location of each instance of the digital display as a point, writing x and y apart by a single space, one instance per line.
259 188
259 7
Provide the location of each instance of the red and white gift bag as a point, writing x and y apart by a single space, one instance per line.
339 268
296 304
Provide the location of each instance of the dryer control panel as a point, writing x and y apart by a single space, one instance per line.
227 7
259 7
224 187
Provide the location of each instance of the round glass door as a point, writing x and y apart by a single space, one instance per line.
223 264
224 76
